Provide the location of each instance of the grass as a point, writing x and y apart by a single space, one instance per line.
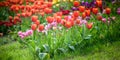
14 51
97 52
109 51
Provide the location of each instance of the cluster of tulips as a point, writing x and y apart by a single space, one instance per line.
77 17
27 10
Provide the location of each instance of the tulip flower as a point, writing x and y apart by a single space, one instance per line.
81 8
118 11
76 3
68 24
33 27
99 3
37 22
41 27
74 8
77 21
87 12
34 18
95 10
89 25
83 15
65 12
76 13
58 19
104 20
50 19
10 19
108 10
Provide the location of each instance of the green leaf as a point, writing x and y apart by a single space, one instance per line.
43 56
46 47
88 37
72 48
61 50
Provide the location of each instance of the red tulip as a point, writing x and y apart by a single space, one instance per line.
76 3
89 26
33 26
77 21
58 19
10 19
41 27
42 13
34 18
95 10
49 4
68 24
23 14
28 14
15 21
72 21
37 22
18 15
81 8
50 19
65 12
48 10
63 22
108 10
59 13
99 17
17 18
76 13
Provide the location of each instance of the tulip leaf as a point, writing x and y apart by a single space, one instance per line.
43 56
72 48
61 50
46 47
88 37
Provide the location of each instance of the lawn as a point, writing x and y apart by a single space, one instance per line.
108 51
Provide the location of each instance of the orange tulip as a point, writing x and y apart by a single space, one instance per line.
87 12
68 24
81 8
76 3
48 10
83 15
50 19
99 3
89 26
95 10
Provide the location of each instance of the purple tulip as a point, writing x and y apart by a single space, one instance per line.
25 34
74 8
118 10
104 20
87 18
82 3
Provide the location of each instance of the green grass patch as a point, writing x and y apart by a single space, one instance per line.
109 51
